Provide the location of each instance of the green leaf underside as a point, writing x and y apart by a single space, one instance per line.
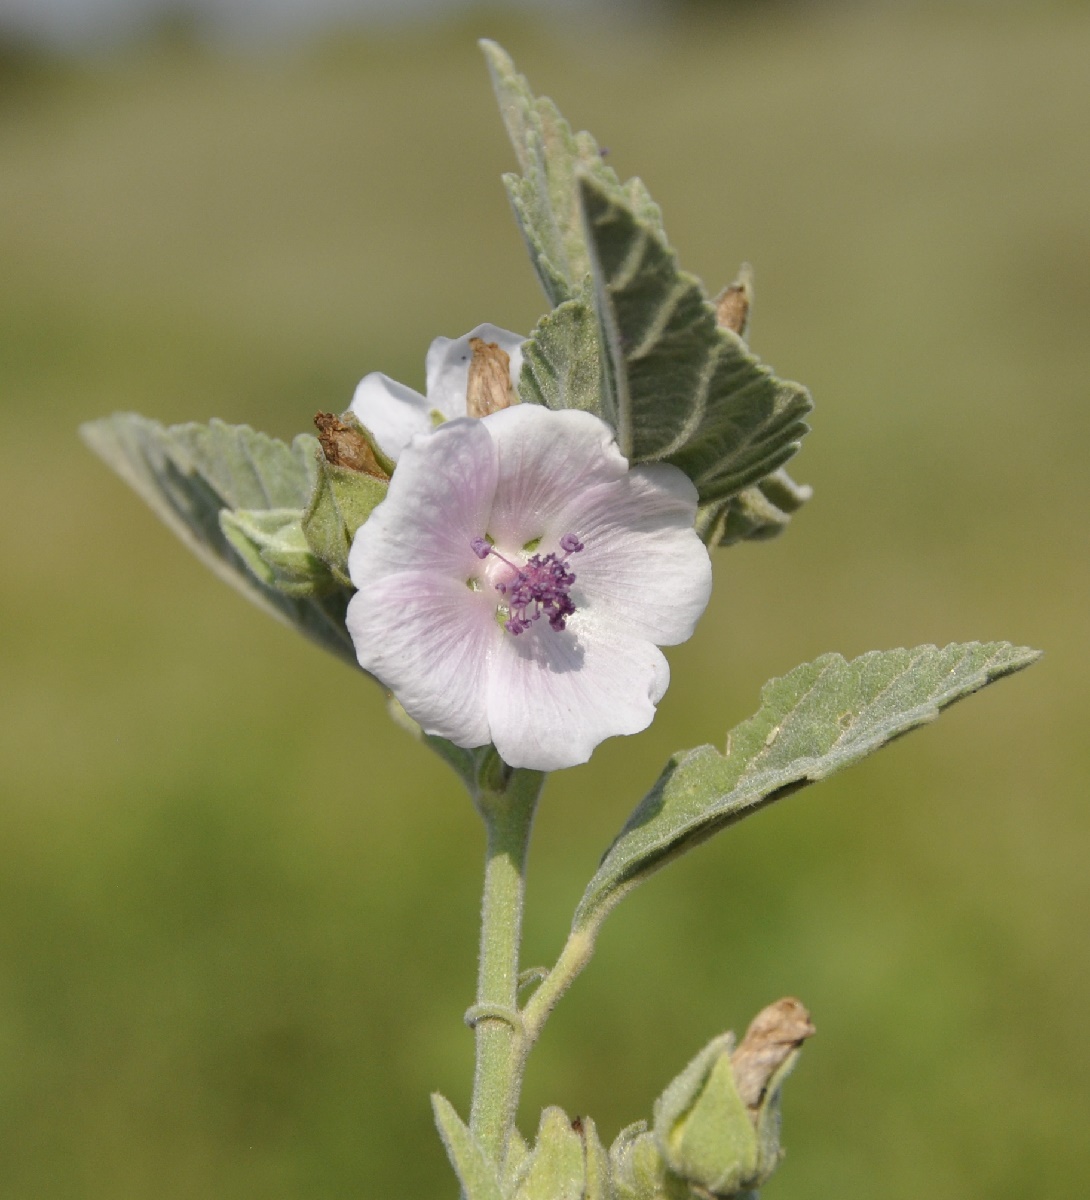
678 387
818 718
476 1173
545 197
672 384
755 514
272 544
188 474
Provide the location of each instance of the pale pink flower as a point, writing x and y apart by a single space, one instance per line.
516 582
395 413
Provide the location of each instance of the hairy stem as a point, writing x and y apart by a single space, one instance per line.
573 958
501 1042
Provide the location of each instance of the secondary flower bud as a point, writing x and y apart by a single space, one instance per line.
717 1125
472 375
703 1127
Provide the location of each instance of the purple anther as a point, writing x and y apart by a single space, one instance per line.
540 587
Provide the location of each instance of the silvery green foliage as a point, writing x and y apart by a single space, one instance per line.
192 475
633 338
753 514
678 387
272 544
545 196
817 719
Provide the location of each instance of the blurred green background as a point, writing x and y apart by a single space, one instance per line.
238 908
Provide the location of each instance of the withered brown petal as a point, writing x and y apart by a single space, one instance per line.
773 1034
344 446
733 303
488 388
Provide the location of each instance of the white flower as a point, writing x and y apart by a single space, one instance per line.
516 582
395 413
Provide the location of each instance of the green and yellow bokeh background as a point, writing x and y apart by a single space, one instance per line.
238 907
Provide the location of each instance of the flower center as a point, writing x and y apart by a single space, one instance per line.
540 587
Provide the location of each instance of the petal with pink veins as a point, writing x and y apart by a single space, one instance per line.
431 641
642 564
438 501
552 697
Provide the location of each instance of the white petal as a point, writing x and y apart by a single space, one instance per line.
552 697
643 571
429 640
393 412
447 366
438 502
545 457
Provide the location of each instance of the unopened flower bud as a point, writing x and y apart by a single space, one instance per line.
717 1124
703 1127
345 444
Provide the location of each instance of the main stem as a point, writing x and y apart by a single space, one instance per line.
501 1039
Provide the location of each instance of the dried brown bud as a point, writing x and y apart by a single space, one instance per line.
733 303
488 388
774 1034
344 446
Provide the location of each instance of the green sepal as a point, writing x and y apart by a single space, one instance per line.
817 719
556 1168
475 1170
342 500
189 474
756 513
271 543
702 1126
515 1163
597 1184
637 1168
769 1152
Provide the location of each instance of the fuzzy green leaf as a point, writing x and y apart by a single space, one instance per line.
189 474
756 513
561 366
476 1172
545 197
677 386
820 717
